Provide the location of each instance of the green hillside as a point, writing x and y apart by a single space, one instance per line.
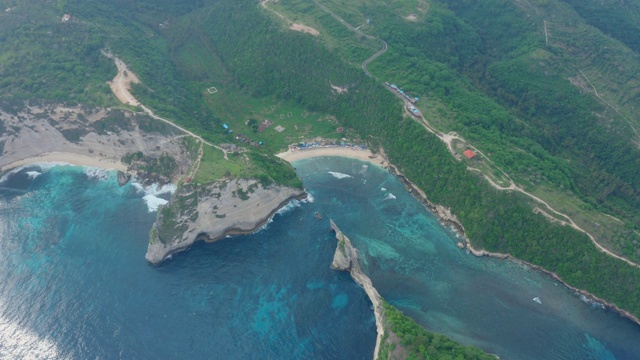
547 90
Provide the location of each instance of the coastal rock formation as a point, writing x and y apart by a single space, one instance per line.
123 178
346 259
213 211
29 130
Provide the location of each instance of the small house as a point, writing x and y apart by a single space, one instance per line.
470 154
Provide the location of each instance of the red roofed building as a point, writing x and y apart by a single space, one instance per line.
470 154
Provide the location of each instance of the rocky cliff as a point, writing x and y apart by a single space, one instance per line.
213 211
346 259
31 130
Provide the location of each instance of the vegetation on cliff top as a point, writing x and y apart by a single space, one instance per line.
486 71
405 339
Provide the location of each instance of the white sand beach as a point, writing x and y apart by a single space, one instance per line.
68 158
364 155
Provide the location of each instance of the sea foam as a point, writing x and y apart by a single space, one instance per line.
152 192
338 175
33 174
153 202
96 173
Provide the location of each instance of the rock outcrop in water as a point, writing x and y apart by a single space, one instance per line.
213 211
346 259
123 178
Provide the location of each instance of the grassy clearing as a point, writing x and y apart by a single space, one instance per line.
214 167
238 110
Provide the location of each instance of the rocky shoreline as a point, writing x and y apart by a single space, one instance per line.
346 259
449 220
214 211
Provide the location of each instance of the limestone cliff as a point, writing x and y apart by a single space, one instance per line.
31 130
213 211
346 259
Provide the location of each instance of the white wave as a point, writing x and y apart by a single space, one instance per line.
96 173
390 196
308 199
33 174
17 342
155 189
338 175
294 203
151 194
591 302
8 174
153 202
383 189
48 165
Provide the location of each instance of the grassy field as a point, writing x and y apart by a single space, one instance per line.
244 114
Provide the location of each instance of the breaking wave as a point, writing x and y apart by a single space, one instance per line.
338 175
33 174
96 173
591 302
152 192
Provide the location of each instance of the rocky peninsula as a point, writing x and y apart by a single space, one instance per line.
212 211
346 259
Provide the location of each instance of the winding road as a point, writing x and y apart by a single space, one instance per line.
448 138
357 31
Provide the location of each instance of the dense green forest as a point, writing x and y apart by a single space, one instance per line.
418 344
239 32
485 70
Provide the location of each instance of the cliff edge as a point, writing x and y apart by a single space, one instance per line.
346 259
213 211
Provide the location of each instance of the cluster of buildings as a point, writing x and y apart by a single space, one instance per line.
325 144
396 89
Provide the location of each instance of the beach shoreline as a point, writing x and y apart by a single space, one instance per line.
67 158
443 214
291 156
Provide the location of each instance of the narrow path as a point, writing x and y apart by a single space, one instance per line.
595 91
357 31
121 86
448 138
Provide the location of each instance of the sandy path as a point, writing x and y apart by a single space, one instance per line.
293 26
67 158
364 155
121 86
448 138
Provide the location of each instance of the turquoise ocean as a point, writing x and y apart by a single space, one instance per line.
74 283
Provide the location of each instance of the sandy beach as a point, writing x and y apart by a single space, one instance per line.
67 158
364 155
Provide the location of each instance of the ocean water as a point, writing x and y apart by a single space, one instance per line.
415 265
74 283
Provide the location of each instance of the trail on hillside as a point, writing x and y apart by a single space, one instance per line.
357 31
121 86
448 138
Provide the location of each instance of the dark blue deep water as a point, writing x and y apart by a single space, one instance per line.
74 282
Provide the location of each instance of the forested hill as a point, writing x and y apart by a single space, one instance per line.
547 89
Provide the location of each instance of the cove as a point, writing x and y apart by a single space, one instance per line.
415 265
74 282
